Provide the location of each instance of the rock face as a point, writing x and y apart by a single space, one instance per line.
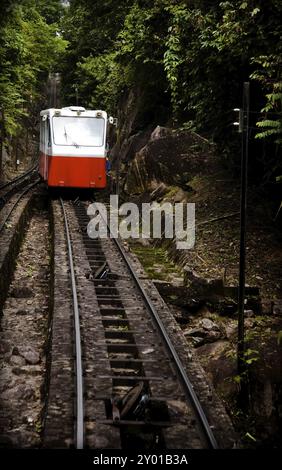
169 156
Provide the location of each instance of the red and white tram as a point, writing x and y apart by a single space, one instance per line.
73 147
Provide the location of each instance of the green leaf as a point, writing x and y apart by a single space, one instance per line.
249 436
255 11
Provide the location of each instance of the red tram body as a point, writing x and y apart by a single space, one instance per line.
73 147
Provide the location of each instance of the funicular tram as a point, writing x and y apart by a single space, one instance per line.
73 147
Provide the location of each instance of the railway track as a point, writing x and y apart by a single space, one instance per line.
8 189
131 388
12 192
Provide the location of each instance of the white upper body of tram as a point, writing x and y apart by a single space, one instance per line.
73 147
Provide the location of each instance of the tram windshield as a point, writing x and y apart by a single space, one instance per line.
78 131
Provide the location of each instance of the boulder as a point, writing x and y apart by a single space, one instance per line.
208 324
195 332
231 330
202 335
171 157
200 285
29 354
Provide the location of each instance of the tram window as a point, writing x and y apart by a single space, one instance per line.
48 133
41 132
78 131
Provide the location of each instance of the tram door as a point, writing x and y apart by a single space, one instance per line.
46 145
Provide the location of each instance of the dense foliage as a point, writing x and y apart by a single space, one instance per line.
29 48
189 56
187 59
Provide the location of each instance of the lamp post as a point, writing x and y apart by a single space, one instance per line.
243 128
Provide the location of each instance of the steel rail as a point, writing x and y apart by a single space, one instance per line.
6 218
18 178
78 358
180 369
